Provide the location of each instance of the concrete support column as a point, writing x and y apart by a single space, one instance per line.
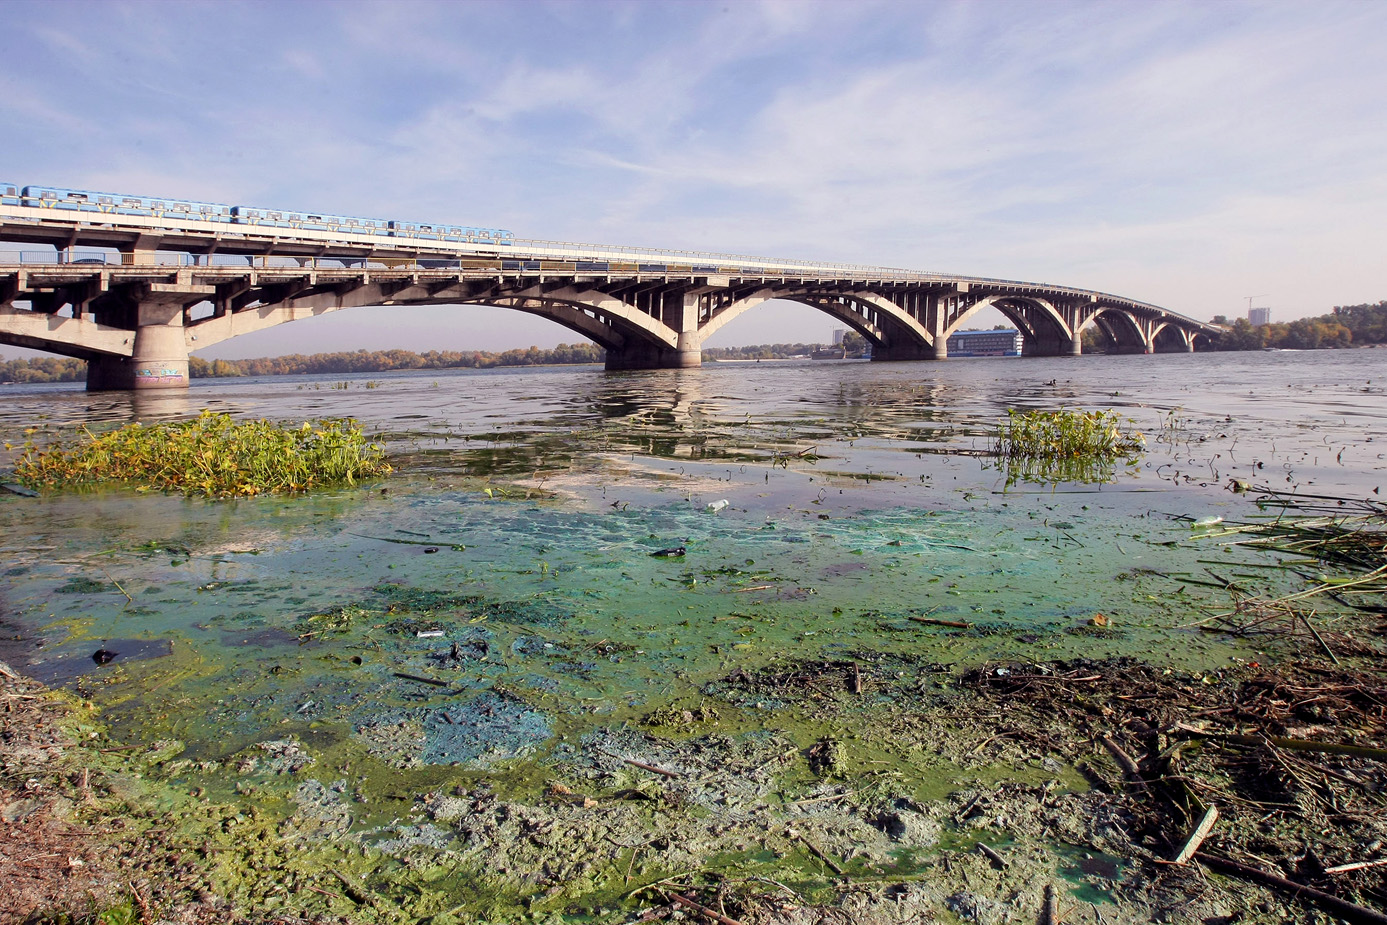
941 339
1076 345
142 252
690 349
159 360
680 312
896 351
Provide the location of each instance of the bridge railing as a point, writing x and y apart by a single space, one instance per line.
173 259
529 251
96 258
682 261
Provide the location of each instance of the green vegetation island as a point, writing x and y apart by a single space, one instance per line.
1345 326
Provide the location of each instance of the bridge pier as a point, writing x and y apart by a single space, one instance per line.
645 355
904 351
1076 345
159 359
677 310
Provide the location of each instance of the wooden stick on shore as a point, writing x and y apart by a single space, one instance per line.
703 910
833 865
1339 908
935 621
1124 761
1201 832
652 768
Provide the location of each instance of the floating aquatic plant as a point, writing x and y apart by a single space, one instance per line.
1065 446
211 455
1098 436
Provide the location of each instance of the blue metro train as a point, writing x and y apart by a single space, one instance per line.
44 197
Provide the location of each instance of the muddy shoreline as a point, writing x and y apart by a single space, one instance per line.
682 817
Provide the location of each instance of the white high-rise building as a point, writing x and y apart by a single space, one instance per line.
1258 316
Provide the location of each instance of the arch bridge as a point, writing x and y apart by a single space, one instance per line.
147 291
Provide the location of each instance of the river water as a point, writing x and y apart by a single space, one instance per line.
511 558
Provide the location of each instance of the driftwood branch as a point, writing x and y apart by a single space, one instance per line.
997 860
651 768
1356 865
1125 762
833 865
1340 908
935 621
1294 745
1050 912
703 910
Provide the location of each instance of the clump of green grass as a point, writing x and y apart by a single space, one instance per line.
212 455
1048 447
1097 436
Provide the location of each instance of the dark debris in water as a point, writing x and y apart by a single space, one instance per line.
81 584
400 598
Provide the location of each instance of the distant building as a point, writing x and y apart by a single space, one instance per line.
838 334
1258 316
1003 343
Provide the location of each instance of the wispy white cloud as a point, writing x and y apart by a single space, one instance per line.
1177 152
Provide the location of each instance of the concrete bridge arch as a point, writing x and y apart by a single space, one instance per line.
137 321
1045 331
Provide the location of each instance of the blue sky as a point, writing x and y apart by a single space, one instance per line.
1186 154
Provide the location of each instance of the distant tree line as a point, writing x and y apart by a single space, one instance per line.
760 352
64 369
43 369
1346 326
378 361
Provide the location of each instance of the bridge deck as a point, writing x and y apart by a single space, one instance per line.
154 289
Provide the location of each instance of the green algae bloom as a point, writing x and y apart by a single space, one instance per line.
212 455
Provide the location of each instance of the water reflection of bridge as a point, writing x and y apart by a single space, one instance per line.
159 288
